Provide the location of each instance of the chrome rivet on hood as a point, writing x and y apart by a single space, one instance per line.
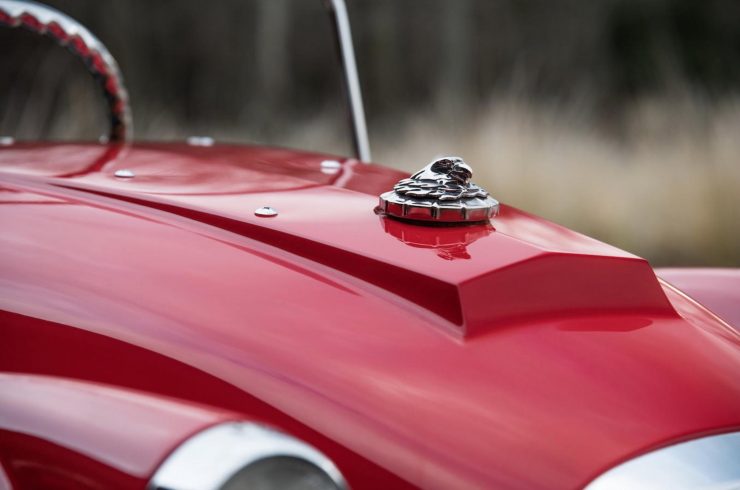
200 141
124 173
330 166
266 212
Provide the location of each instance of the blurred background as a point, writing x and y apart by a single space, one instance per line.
617 118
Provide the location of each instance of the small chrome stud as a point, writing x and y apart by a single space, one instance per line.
266 212
6 140
330 167
124 173
200 141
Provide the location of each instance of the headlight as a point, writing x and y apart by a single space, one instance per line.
241 456
709 463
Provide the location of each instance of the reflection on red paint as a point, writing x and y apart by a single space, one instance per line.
447 242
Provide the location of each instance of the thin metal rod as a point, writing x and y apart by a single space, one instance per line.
338 11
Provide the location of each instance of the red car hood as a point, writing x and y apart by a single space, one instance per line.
517 355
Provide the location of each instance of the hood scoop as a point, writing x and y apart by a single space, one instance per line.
474 278
526 268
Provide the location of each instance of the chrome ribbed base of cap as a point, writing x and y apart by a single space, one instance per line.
460 211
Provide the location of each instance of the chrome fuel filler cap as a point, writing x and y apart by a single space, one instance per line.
441 192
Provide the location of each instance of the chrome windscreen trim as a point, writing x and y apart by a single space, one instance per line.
343 34
708 463
210 458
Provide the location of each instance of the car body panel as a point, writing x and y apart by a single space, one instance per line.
718 289
329 219
272 317
61 433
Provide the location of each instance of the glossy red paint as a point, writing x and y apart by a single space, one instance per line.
59 433
552 357
524 274
717 289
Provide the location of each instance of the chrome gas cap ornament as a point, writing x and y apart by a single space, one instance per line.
441 192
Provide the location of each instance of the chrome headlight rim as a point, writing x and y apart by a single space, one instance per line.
210 458
708 463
